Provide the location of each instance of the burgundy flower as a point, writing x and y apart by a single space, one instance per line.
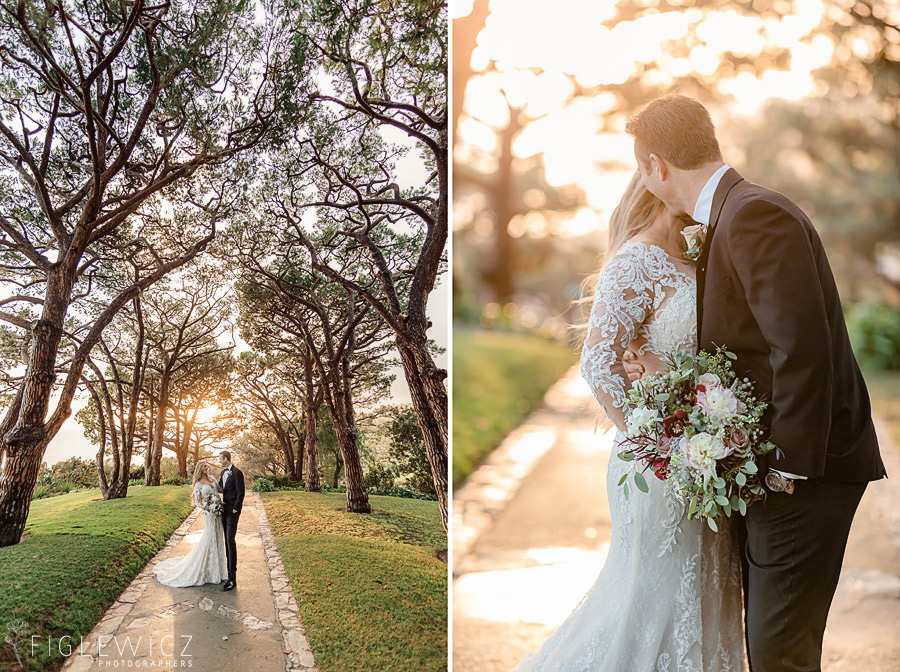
660 468
674 425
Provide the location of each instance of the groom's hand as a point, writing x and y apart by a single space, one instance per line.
633 368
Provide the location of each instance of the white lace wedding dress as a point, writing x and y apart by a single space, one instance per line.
668 598
206 561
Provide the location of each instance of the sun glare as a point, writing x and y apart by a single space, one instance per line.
530 60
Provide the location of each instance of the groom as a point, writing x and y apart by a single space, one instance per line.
231 484
765 290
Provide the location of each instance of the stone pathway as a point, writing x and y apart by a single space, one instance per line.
255 627
531 531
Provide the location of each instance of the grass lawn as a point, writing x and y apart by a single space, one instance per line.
884 389
78 554
498 378
372 592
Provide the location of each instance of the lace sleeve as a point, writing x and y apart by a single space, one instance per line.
197 494
624 297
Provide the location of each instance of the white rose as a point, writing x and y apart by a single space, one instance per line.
709 380
721 401
642 418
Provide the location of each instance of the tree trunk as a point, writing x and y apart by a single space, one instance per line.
148 451
498 274
338 468
313 484
290 465
23 463
27 440
345 429
159 428
185 447
429 399
119 489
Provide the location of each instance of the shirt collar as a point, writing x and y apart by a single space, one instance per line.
703 208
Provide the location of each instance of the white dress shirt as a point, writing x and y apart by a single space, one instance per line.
702 215
225 475
703 208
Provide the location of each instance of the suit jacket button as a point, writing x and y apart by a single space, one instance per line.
703 269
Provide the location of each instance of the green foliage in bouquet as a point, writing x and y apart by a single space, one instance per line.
697 427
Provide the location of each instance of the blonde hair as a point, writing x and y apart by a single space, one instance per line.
198 472
636 211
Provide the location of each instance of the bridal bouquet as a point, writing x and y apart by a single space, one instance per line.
212 504
697 427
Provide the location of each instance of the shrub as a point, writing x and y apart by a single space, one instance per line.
875 332
404 493
175 480
41 490
294 486
136 474
381 476
262 485
284 481
63 486
76 471
136 481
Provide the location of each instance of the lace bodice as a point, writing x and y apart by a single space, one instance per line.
644 302
201 490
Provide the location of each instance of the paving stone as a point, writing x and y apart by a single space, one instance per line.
255 623
141 622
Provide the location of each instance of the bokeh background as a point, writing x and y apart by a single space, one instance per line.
805 96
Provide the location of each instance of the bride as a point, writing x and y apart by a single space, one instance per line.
669 596
206 561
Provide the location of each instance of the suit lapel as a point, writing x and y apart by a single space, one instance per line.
726 184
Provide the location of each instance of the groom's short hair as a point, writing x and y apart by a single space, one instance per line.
226 455
676 128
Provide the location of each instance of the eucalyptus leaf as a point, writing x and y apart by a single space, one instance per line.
641 482
712 524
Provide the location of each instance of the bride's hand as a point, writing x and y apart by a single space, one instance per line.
633 368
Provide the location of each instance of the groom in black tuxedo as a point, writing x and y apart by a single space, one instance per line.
231 483
766 291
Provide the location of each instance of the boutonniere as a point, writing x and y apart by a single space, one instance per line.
694 235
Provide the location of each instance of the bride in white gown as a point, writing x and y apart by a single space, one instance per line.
668 598
206 561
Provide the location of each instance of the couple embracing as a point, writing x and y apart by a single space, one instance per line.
675 596
216 551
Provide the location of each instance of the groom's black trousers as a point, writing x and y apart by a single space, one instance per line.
230 524
794 546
